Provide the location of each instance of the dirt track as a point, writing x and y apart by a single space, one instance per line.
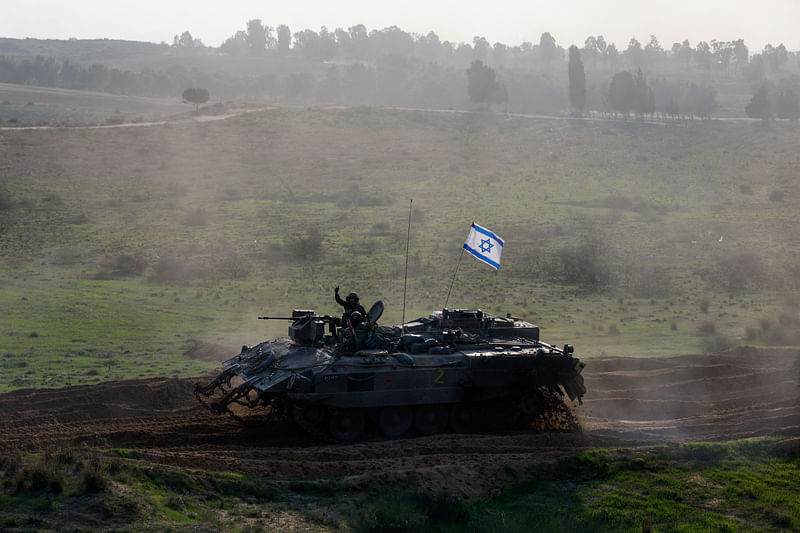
746 393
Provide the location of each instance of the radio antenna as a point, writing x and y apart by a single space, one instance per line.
405 279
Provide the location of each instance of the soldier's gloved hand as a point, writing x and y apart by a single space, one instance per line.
336 290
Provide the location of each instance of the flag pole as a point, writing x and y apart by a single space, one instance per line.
454 276
405 279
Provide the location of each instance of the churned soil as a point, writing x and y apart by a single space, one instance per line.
630 402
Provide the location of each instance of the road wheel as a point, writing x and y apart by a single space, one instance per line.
395 421
346 425
431 419
462 418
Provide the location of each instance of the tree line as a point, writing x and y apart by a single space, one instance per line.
394 68
713 58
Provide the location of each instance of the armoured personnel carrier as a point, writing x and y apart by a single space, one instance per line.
455 370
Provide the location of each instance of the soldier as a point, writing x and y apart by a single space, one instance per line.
350 305
360 335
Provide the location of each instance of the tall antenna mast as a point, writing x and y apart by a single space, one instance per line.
454 279
405 279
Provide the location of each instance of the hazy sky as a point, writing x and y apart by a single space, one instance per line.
508 21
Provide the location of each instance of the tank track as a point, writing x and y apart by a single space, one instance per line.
541 410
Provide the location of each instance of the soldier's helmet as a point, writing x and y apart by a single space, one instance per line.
352 297
356 318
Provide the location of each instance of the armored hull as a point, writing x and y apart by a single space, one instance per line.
453 371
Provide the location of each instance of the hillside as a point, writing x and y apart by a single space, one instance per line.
135 258
622 238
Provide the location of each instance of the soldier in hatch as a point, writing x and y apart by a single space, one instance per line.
360 335
350 305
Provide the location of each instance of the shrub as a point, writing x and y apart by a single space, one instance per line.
42 476
776 196
718 343
745 188
10 464
445 507
649 282
197 217
707 327
738 271
123 265
390 514
93 479
583 264
168 268
307 247
68 256
5 200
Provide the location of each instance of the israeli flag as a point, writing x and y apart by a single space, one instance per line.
484 245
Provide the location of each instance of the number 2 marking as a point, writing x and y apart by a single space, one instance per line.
439 377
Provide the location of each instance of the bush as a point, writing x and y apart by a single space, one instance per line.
5 200
718 343
69 256
93 479
231 265
168 268
122 265
649 282
707 328
583 265
738 271
390 514
197 217
307 247
776 196
43 476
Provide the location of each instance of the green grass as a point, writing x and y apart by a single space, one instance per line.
119 246
694 487
736 486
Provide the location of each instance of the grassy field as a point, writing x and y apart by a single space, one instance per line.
739 486
22 105
146 251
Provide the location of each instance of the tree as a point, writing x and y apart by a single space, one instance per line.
634 53
653 52
613 55
672 109
723 54
622 94
549 51
577 79
740 53
235 45
788 106
482 87
683 53
642 104
256 36
480 48
760 105
702 101
499 52
195 96
284 38
184 41
702 56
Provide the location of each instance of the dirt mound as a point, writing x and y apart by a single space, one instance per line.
743 393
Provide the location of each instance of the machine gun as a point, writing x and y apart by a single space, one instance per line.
306 327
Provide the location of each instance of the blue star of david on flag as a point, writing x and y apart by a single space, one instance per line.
484 245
